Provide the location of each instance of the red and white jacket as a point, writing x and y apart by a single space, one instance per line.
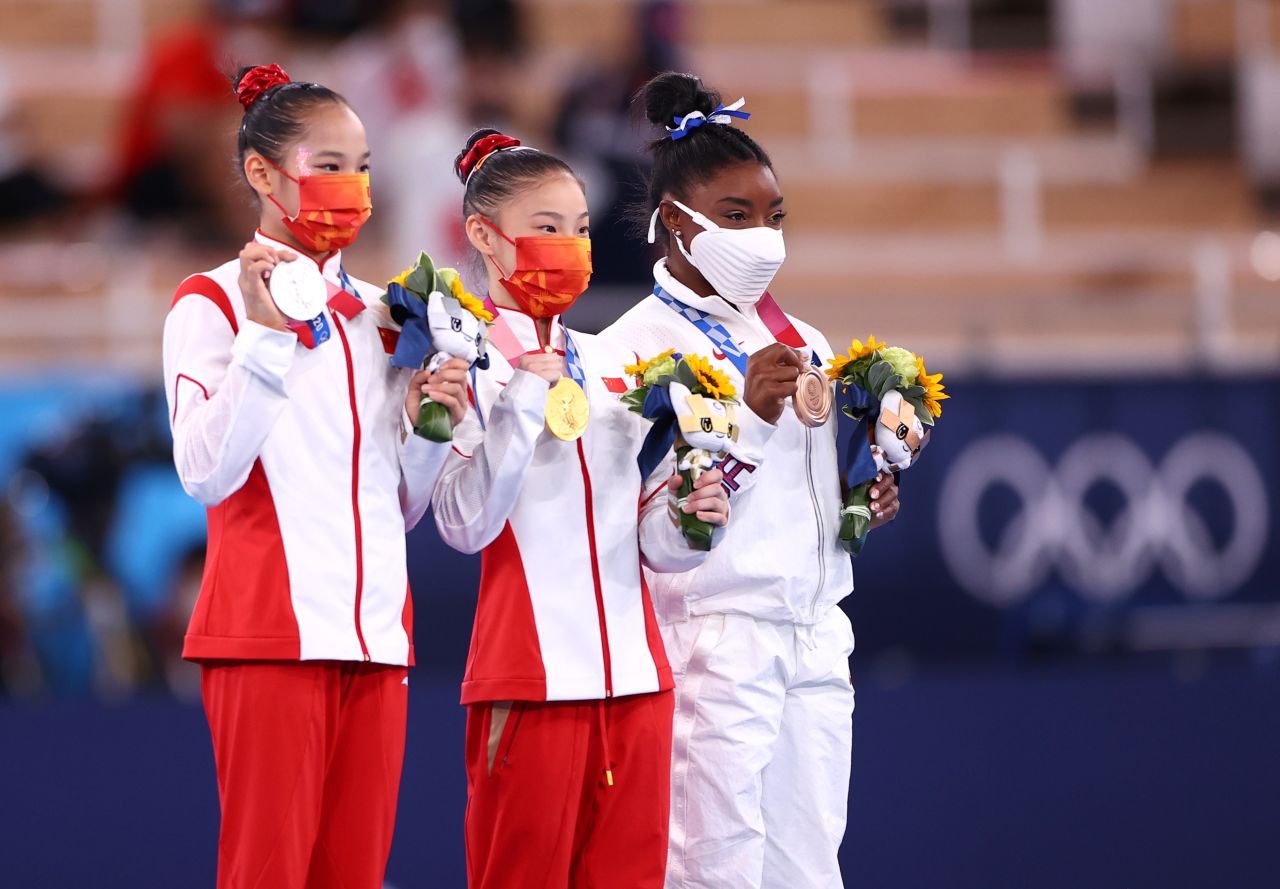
307 463
563 613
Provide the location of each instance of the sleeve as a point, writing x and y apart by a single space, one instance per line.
225 389
484 472
747 455
421 462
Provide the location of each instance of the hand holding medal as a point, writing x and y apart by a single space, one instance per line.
298 290
567 410
772 376
258 265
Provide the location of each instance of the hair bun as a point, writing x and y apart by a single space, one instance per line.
253 82
671 95
481 144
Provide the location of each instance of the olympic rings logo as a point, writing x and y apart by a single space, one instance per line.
1157 527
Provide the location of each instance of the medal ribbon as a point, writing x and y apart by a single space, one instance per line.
502 336
773 317
343 299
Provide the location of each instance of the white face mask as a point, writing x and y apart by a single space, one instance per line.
738 262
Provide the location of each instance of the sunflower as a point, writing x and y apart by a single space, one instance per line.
856 350
640 367
715 382
932 388
469 302
404 276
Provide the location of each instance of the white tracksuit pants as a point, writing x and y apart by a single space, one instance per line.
762 744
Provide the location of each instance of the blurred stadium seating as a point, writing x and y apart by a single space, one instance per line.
1017 196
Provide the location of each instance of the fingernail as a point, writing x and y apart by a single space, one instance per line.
875 494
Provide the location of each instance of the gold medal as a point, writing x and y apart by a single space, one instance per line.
813 397
567 410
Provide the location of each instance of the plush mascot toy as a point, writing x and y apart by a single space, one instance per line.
692 406
892 398
438 320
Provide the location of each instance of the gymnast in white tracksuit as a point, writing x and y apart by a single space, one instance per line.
759 647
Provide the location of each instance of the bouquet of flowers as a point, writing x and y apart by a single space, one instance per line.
889 394
438 320
691 404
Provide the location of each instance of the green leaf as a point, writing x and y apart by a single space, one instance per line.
916 402
878 376
686 376
634 398
422 280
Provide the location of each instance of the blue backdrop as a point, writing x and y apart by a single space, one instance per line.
1010 730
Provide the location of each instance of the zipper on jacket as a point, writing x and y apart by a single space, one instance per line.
595 575
817 516
355 481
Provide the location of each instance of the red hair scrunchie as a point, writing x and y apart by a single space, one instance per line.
258 80
479 152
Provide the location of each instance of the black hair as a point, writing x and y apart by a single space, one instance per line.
277 117
501 175
679 164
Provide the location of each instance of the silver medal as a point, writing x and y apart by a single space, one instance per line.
298 289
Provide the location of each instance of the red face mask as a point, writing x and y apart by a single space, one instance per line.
550 273
331 209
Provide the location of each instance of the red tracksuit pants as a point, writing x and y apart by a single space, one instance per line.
569 795
308 758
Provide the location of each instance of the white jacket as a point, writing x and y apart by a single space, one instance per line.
562 611
310 472
780 558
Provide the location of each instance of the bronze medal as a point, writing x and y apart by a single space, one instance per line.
813 398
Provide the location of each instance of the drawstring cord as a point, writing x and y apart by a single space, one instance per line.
604 742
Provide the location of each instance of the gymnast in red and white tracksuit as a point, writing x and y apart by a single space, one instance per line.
567 685
298 441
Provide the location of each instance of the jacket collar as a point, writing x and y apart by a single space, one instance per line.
525 329
715 306
329 266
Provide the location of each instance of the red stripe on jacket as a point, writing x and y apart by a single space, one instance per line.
203 285
244 610
505 660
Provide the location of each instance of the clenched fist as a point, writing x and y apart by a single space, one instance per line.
256 262
771 380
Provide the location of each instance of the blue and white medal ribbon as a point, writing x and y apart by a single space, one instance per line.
571 359
713 329
720 337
